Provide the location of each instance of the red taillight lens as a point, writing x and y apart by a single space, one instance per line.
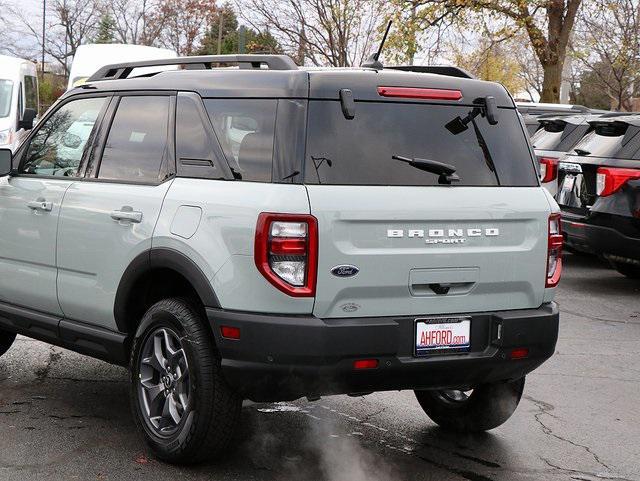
548 169
554 251
610 179
286 252
420 93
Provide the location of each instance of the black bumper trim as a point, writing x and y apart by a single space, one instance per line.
281 358
599 239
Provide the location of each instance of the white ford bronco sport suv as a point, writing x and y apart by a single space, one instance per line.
269 233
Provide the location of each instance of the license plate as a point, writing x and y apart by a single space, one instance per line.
568 183
441 334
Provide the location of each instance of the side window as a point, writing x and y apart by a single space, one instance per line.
31 92
192 140
136 147
59 144
245 129
197 150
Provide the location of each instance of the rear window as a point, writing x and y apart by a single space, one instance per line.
604 141
359 151
547 138
559 136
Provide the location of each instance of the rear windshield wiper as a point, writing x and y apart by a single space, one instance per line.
446 172
582 152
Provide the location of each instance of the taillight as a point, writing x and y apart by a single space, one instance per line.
286 252
554 251
548 169
420 93
609 180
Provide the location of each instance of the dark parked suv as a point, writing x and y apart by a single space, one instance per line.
557 135
599 192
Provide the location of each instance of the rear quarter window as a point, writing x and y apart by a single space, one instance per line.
359 151
245 129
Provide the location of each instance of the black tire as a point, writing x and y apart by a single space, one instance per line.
210 411
6 341
486 407
632 271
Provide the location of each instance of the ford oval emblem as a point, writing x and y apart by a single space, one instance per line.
345 271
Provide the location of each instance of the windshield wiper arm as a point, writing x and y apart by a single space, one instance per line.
446 172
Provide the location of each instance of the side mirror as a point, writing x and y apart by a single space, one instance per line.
28 117
5 162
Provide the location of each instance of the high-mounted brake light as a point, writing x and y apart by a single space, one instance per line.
286 252
420 93
554 251
610 180
548 169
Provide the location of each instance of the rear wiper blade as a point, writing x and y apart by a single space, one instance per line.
446 172
582 152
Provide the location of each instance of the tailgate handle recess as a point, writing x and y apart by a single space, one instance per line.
443 281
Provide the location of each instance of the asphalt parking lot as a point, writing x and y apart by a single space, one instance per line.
64 416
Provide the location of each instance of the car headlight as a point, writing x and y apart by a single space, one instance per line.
5 137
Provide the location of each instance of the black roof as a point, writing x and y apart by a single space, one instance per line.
292 82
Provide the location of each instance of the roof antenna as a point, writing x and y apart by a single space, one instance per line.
373 61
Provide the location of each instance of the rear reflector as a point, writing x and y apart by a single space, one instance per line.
554 251
420 93
609 180
548 169
365 364
229 332
519 353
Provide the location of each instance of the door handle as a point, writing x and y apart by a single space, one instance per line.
40 205
127 214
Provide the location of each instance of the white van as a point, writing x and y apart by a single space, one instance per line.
89 58
18 99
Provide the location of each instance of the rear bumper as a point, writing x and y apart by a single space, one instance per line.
600 239
575 235
281 358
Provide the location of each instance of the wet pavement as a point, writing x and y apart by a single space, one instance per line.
64 416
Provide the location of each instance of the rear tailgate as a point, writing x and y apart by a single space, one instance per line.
486 247
613 142
393 240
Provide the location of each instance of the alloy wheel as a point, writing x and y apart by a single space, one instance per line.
164 387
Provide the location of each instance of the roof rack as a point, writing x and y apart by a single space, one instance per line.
119 71
448 70
617 114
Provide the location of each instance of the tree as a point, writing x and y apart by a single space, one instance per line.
106 27
418 26
609 48
184 23
72 23
588 91
228 36
137 22
338 33
547 23
491 61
